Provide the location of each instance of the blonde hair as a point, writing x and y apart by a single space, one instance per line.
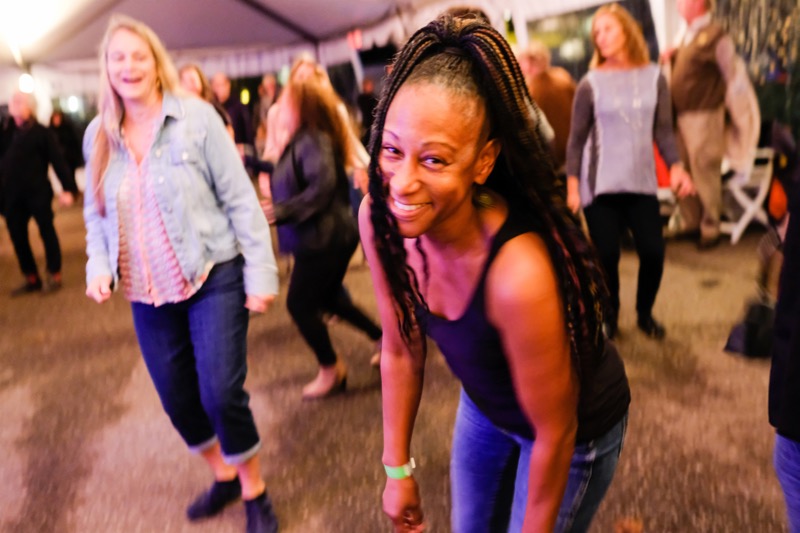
635 46
110 107
306 58
321 83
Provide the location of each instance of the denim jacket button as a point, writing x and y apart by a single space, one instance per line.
158 152
161 179
185 156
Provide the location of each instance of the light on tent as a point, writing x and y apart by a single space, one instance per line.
26 84
73 104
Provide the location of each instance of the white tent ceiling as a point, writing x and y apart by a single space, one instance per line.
57 40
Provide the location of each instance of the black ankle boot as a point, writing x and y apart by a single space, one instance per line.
260 515
652 328
214 499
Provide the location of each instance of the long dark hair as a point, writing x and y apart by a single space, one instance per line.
316 105
469 56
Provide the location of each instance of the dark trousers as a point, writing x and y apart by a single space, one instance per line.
316 287
196 354
606 217
18 213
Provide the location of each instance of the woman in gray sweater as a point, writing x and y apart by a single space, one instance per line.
621 107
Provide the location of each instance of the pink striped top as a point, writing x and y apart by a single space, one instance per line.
149 268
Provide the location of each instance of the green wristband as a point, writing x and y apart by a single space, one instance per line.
402 471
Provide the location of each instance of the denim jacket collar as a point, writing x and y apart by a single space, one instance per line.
171 107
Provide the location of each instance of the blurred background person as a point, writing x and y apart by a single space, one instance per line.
67 139
367 101
26 150
702 66
621 106
267 96
195 82
315 224
237 111
553 90
173 221
279 127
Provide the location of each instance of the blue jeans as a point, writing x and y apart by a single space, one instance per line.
787 466
196 353
489 476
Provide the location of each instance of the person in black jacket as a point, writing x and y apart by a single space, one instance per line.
26 150
784 392
311 206
67 139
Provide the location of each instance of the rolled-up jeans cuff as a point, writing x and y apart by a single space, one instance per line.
243 457
203 446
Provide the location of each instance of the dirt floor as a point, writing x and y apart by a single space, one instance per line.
86 447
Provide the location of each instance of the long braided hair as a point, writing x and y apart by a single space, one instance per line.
464 54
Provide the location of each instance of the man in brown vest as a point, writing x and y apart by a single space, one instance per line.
553 89
702 66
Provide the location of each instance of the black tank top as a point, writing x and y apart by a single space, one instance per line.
474 352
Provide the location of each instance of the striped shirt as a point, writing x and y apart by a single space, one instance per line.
149 268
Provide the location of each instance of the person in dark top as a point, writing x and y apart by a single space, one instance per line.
240 116
470 241
784 379
67 139
367 101
26 150
315 224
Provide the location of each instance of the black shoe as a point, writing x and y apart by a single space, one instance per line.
30 285
651 328
214 499
260 515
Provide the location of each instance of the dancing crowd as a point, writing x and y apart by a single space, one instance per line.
489 192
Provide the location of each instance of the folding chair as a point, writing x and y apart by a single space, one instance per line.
748 191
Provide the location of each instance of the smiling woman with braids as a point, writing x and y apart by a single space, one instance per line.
471 243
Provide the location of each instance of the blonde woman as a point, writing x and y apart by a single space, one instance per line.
173 222
621 107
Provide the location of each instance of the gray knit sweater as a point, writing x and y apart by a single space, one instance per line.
617 114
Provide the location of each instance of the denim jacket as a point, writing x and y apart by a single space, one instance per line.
208 205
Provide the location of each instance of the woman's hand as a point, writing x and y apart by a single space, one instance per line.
264 185
573 194
258 303
99 289
66 199
680 181
269 210
401 504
